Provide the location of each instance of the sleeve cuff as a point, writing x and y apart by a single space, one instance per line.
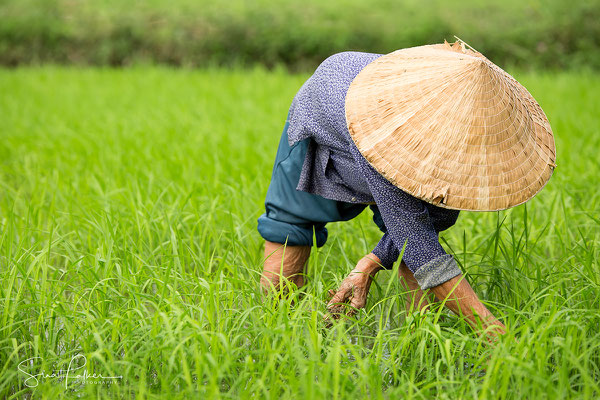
437 271
386 251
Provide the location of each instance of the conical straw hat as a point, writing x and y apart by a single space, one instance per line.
447 126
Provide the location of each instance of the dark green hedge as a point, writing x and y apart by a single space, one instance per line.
540 34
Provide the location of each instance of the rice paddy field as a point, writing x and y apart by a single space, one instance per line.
129 257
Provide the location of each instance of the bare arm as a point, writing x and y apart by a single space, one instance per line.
462 300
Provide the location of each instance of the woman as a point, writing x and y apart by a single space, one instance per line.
416 135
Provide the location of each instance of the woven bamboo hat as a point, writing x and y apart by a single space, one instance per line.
446 125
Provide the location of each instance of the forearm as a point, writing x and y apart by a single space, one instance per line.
416 298
369 264
462 300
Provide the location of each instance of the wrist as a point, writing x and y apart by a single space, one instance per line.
369 264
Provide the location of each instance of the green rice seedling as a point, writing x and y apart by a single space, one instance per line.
128 207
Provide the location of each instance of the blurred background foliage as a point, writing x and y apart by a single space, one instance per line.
298 34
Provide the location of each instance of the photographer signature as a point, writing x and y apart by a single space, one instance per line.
68 374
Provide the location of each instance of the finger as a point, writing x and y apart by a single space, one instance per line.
334 303
334 313
341 296
357 303
350 312
359 299
331 293
332 316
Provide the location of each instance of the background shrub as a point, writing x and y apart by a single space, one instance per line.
525 33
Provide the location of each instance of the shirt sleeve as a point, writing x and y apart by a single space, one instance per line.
408 222
442 218
386 250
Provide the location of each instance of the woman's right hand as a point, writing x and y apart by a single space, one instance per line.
354 289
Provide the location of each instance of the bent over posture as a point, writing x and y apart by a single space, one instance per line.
416 135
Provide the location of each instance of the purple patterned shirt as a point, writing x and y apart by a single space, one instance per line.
335 169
